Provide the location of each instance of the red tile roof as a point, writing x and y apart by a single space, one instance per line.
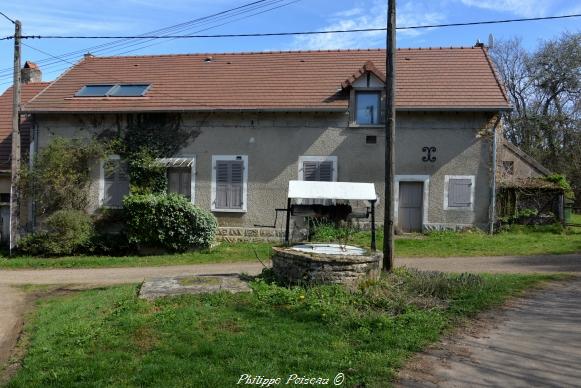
27 92
443 78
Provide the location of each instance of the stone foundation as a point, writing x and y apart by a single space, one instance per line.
241 234
292 267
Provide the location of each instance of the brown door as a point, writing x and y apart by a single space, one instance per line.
411 196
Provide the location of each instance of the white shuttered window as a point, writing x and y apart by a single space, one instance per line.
229 183
459 192
318 168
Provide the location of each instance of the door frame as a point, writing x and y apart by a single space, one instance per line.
425 179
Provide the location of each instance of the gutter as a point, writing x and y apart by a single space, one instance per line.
271 110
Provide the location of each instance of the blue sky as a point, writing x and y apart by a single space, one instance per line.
131 17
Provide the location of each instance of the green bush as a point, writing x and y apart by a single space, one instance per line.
65 232
167 221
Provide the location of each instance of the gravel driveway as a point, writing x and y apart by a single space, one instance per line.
536 342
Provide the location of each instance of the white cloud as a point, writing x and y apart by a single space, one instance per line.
526 8
363 17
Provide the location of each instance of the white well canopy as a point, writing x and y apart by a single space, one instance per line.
331 190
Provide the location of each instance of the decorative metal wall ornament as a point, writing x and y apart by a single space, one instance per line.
429 157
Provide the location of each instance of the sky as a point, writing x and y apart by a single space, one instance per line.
134 17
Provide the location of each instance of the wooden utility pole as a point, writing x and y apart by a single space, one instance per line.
389 137
15 155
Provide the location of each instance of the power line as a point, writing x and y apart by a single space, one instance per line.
118 80
9 19
219 16
301 32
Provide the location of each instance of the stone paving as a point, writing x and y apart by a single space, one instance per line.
194 284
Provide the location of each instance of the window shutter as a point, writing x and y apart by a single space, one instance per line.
179 181
318 171
326 171
116 182
310 171
229 184
459 192
222 181
236 184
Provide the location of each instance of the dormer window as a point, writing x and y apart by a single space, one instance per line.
113 90
367 107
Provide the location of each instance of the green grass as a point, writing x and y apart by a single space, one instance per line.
518 241
223 253
108 337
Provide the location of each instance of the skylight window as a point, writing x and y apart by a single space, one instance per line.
128 90
113 90
94 90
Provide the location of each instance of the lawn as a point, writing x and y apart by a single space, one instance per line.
223 253
519 241
108 337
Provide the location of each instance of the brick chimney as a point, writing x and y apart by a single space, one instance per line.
30 73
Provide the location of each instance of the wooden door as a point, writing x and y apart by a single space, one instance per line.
410 211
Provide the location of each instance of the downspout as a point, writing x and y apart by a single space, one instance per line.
32 156
492 212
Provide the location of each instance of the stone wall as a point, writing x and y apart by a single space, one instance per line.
294 267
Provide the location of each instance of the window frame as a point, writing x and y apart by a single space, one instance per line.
319 159
227 158
192 175
102 181
378 93
505 170
112 89
447 179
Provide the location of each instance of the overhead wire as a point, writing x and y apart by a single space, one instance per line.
184 26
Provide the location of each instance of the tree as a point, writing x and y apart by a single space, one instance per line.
544 87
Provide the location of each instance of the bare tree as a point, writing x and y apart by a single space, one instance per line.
544 87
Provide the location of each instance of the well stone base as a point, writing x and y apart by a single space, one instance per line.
294 267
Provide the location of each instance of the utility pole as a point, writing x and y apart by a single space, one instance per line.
388 241
15 155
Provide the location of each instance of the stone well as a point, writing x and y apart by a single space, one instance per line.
325 264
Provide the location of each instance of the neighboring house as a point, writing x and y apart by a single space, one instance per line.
514 164
31 86
258 120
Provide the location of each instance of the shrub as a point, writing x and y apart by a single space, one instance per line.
65 232
61 175
167 221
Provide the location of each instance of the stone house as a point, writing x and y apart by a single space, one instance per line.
254 121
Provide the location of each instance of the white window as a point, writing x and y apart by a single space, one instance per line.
459 192
367 107
229 183
181 175
318 168
114 182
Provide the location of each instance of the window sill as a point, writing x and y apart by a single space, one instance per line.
364 126
466 209
214 210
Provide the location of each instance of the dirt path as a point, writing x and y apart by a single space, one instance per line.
12 307
534 342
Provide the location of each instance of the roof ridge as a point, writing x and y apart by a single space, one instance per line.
241 53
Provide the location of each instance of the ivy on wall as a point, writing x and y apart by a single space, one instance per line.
145 138
60 176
